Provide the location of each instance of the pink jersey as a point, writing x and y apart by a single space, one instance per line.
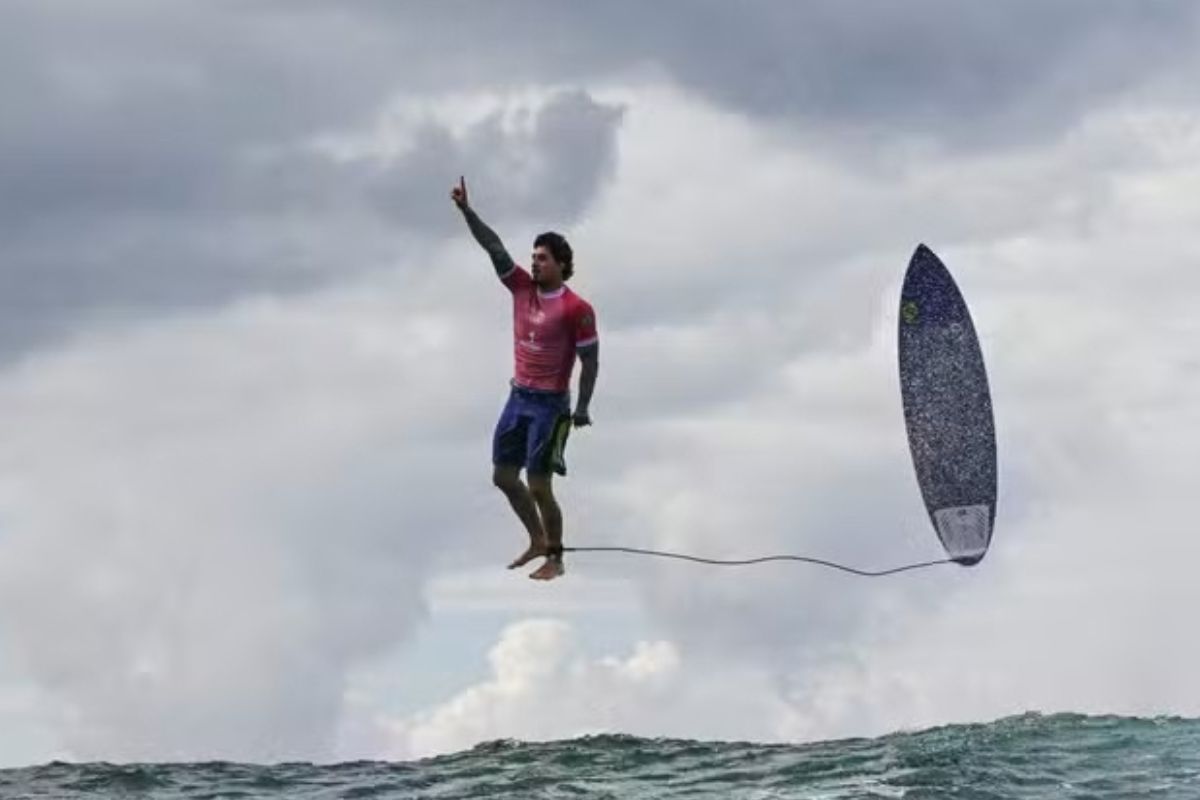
548 327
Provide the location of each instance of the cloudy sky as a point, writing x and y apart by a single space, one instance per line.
250 362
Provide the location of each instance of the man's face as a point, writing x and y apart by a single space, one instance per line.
545 269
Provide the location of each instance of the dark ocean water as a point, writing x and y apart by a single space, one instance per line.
1032 756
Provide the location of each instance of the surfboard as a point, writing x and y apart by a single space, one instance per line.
947 408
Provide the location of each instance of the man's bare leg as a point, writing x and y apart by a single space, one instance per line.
507 479
552 524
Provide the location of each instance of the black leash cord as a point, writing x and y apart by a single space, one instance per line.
722 562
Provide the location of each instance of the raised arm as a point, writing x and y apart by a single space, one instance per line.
486 237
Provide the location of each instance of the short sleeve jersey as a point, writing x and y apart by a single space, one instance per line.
548 330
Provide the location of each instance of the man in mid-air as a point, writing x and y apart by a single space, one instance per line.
551 325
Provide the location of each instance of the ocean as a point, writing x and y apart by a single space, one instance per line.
1030 756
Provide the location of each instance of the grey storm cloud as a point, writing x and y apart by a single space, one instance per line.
155 161
564 156
968 74
131 147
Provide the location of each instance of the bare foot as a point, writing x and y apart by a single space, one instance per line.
534 551
552 569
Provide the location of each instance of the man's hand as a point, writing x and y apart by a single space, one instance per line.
459 193
581 418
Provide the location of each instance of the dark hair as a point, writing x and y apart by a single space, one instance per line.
558 247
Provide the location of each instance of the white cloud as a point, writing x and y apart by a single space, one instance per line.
543 685
1084 302
209 521
1083 615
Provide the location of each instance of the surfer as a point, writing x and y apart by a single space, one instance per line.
551 326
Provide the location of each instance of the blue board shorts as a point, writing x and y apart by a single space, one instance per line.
532 431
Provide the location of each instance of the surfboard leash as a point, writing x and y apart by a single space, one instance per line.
743 562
